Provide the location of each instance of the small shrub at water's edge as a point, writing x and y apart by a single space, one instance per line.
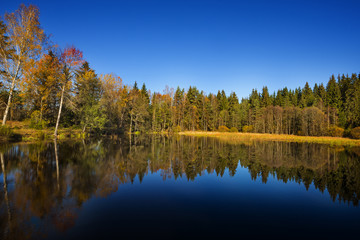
233 129
5 131
41 135
177 129
36 122
248 129
335 131
223 129
355 133
347 133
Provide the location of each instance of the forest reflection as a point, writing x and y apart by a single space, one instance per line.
44 185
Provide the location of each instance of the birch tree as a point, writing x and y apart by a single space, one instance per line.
71 58
25 38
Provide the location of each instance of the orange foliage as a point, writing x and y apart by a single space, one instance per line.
72 57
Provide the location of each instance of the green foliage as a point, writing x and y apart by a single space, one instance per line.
223 129
87 99
335 131
333 94
93 102
177 129
355 133
6 131
307 97
248 129
41 135
233 129
36 121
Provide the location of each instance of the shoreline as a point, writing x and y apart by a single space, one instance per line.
35 135
240 137
31 135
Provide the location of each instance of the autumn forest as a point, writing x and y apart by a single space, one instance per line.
51 87
179 119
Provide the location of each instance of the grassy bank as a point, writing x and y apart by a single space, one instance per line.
35 135
248 137
20 131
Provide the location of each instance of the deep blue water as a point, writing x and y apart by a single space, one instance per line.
179 188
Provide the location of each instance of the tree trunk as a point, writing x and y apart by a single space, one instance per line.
60 107
41 109
153 122
328 115
131 119
164 124
6 197
57 164
10 94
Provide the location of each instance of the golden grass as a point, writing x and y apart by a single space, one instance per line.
248 137
25 134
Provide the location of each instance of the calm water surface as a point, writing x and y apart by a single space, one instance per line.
167 188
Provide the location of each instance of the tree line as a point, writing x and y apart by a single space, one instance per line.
53 87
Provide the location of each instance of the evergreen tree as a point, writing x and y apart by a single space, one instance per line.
233 110
265 97
88 91
333 96
320 97
307 96
145 93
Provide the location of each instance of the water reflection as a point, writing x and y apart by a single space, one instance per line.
44 185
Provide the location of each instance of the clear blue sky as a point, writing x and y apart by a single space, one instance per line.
230 45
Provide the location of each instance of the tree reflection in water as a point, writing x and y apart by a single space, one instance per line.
44 185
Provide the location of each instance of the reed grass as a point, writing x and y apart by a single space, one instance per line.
248 137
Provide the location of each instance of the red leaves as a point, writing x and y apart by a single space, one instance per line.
72 56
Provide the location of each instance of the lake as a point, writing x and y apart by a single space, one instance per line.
176 188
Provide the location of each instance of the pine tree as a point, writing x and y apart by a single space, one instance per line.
307 96
333 96
145 93
88 91
320 97
265 97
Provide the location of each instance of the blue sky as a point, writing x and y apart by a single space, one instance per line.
213 45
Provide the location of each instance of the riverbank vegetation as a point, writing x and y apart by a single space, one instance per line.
249 137
52 88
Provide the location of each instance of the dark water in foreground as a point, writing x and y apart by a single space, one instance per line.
168 188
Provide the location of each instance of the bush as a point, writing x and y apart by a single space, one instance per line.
347 133
223 129
355 133
6 131
35 121
233 129
335 131
41 135
247 129
177 129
